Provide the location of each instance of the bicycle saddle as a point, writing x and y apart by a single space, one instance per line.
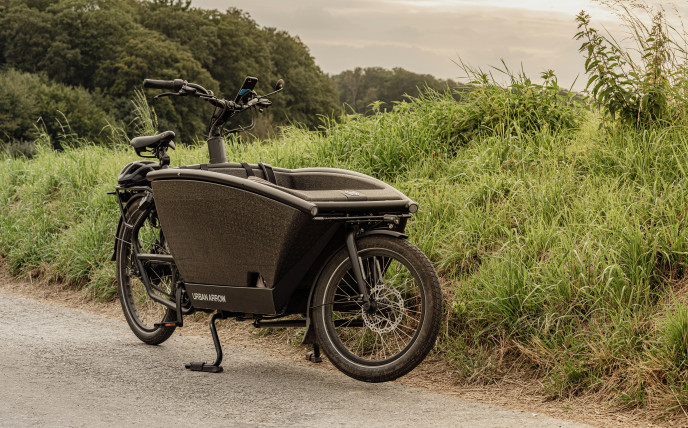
153 140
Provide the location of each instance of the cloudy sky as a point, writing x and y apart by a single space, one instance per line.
426 36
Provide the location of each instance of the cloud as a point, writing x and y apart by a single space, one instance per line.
343 57
426 35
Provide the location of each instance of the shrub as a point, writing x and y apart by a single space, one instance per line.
31 101
520 107
640 85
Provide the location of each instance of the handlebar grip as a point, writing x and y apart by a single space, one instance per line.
172 85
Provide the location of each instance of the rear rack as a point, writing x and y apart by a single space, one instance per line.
119 190
387 218
401 206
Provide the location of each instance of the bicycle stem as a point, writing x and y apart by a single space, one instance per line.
216 149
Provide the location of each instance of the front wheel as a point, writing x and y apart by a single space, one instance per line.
397 332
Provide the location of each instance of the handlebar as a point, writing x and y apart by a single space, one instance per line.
172 85
180 87
224 109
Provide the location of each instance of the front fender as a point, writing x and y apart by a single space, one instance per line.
387 232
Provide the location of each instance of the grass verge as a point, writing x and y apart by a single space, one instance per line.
563 249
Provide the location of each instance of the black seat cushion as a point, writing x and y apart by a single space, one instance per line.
153 140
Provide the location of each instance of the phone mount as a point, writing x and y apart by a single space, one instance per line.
248 97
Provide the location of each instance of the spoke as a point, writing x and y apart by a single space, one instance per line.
403 332
409 317
346 300
395 322
382 343
378 270
347 323
360 345
396 338
354 289
386 262
407 309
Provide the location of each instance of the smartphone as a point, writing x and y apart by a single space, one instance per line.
247 87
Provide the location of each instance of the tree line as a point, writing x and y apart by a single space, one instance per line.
75 64
99 51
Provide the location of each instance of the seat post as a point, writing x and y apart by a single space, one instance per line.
164 160
216 148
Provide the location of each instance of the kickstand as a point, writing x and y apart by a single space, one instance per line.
314 357
214 367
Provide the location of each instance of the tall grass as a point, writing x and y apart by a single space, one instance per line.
563 247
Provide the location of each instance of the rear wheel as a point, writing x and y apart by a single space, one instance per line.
141 312
394 336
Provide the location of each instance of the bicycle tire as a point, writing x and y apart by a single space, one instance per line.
407 314
131 290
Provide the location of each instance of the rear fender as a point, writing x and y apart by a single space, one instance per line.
124 209
114 250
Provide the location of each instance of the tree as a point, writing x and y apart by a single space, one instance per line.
29 101
308 92
359 88
147 54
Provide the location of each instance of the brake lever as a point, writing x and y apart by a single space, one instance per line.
184 91
167 94
187 90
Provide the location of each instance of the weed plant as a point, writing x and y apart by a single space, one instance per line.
641 79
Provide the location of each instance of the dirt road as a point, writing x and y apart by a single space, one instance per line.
65 367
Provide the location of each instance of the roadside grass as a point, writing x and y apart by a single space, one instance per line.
563 249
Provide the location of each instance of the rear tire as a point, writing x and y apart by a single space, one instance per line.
392 339
139 309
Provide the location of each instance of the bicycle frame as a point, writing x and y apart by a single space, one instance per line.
259 243
150 258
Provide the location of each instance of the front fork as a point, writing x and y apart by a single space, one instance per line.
351 232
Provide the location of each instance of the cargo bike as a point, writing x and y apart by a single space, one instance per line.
323 249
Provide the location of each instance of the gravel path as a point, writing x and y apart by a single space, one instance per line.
65 367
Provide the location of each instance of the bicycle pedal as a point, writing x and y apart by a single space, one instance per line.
167 324
310 356
203 367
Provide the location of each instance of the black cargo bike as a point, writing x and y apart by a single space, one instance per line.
319 248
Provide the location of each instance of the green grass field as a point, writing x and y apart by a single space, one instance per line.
563 246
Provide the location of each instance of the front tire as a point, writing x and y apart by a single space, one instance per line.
393 337
139 309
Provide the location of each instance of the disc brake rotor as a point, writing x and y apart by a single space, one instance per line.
389 312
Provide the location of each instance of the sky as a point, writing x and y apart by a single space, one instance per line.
429 36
